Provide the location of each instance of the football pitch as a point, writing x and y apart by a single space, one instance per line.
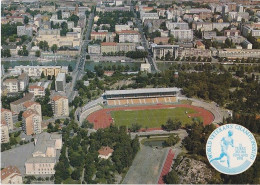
152 118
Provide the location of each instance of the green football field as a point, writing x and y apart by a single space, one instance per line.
152 118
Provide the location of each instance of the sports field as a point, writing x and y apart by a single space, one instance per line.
152 118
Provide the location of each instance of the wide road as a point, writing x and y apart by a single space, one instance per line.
145 43
80 66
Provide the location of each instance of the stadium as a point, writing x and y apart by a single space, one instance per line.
150 108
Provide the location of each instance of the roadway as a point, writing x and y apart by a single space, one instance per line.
145 43
80 66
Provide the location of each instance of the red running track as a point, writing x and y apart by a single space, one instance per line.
103 119
167 166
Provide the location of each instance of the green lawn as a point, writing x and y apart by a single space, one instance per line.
151 118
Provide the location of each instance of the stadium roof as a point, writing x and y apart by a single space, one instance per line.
139 91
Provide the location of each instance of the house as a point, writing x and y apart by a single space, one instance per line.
11 175
105 152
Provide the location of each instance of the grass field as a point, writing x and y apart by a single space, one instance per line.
151 118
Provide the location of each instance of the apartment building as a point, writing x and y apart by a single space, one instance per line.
17 106
122 27
32 105
52 36
160 51
177 25
107 47
238 53
23 81
194 52
246 30
60 105
209 26
11 175
40 166
232 32
161 40
12 85
182 35
36 71
4 132
24 30
31 122
60 82
7 116
129 36
94 49
144 16
107 36
37 90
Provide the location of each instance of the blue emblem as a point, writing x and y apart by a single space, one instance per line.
231 149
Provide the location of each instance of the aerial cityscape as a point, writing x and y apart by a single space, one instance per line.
130 91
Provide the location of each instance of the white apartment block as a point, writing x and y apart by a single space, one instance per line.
239 53
4 132
94 49
36 71
7 116
60 105
129 36
23 81
182 35
12 85
37 90
145 16
179 25
122 27
246 30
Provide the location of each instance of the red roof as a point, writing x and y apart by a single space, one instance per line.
9 171
128 32
30 103
57 97
36 87
105 151
108 44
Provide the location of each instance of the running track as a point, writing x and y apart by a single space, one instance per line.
103 119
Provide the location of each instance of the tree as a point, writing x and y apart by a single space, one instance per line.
171 125
26 20
171 39
38 53
54 48
42 75
76 174
135 127
70 68
171 140
20 116
171 178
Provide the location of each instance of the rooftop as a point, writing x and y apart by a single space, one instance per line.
41 160
27 97
105 151
61 77
144 90
29 112
30 103
9 171
57 97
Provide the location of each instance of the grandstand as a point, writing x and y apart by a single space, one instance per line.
141 96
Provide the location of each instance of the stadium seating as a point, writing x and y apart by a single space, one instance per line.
141 101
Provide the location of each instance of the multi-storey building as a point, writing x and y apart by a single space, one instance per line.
23 81
238 53
32 105
31 122
36 71
94 49
4 132
60 82
60 105
7 116
160 51
24 30
177 25
107 47
17 106
194 52
12 85
182 35
122 27
129 36
37 90
53 37
107 36
11 175
144 16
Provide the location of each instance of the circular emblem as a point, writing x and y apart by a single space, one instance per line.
231 149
